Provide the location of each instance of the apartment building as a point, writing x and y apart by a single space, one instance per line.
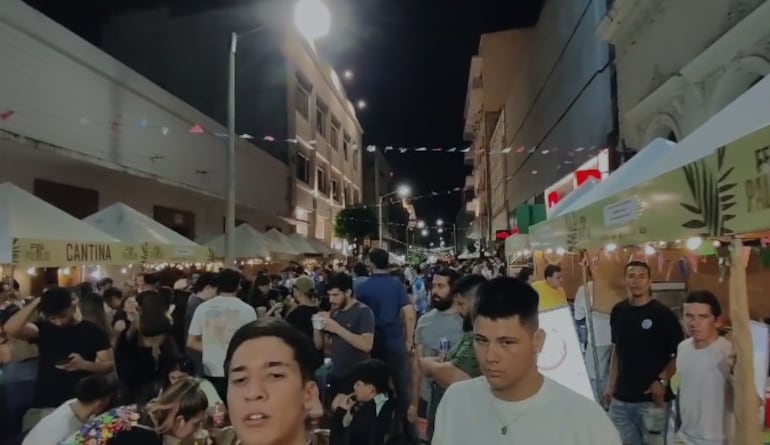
82 131
286 94
672 78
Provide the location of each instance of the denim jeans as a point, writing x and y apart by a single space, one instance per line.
641 423
17 395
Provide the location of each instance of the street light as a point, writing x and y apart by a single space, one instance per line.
361 104
440 230
440 222
348 75
420 224
313 20
424 232
403 191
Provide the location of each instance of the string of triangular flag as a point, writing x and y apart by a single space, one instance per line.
394 200
194 128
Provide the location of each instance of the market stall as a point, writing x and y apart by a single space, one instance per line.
279 246
157 243
249 245
300 244
320 247
715 185
35 234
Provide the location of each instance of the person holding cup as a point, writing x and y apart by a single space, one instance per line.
348 330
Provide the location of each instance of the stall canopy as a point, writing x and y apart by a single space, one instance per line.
569 201
37 234
716 182
157 242
559 231
249 244
279 245
300 244
320 246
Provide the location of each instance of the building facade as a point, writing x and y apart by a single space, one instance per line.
672 78
377 182
285 93
83 131
546 94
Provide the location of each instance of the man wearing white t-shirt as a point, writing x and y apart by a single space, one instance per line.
93 395
213 325
513 402
704 366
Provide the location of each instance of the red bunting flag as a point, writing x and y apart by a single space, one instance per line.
196 129
5 115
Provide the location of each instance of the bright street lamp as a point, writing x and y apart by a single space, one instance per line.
348 75
440 222
403 191
424 232
313 20
361 104
440 230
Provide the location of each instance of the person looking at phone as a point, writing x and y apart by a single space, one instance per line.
69 348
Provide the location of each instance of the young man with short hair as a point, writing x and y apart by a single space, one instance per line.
550 291
214 323
645 334
512 402
704 365
269 367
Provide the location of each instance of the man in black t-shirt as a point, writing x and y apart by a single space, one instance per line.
301 316
69 348
645 335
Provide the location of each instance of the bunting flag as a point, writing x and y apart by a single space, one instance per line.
142 123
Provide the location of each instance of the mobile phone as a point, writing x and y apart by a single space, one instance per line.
63 361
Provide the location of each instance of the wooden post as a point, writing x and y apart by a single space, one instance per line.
746 401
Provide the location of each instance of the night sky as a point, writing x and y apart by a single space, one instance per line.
410 59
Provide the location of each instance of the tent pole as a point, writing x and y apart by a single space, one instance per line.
746 401
589 294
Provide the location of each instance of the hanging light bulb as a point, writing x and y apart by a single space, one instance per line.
527 252
649 250
611 247
561 251
32 271
549 251
716 243
694 242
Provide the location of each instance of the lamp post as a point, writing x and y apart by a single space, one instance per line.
403 191
313 20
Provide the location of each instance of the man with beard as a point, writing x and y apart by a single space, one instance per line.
348 331
442 322
460 363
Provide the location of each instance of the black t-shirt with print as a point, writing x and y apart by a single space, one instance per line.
646 339
55 343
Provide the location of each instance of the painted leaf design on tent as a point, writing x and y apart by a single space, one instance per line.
712 194
144 253
212 255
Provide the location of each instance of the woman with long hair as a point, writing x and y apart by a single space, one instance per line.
91 306
176 415
181 368
143 348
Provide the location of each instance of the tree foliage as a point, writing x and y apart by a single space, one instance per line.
355 223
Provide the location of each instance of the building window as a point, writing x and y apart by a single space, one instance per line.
346 145
356 197
320 229
321 112
355 160
303 169
334 133
322 181
335 190
345 195
302 97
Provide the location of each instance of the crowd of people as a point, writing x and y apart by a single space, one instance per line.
442 353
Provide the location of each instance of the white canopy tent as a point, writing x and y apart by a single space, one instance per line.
300 244
320 246
25 216
131 226
640 168
249 243
565 204
279 244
